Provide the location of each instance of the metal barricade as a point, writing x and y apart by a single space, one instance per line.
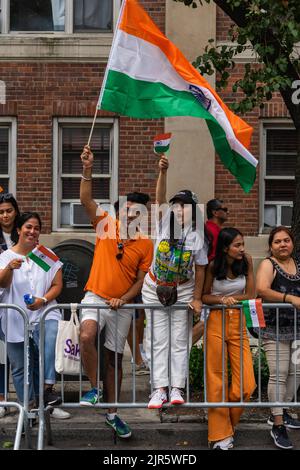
224 402
24 413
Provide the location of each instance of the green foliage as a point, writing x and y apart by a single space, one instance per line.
271 30
262 367
197 369
7 445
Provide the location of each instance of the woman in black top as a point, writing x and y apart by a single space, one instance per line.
278 280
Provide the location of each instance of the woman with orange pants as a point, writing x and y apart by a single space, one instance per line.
229 280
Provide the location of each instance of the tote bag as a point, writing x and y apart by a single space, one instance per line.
67 352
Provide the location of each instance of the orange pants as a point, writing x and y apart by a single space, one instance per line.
221 421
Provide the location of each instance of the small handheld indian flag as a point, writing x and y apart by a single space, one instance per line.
253 311
43 257
162 143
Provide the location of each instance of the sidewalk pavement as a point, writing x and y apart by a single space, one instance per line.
173 429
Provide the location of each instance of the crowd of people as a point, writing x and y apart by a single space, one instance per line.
190 263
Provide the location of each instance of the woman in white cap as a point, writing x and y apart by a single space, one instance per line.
176 275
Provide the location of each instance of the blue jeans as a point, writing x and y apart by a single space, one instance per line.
2 368
16 356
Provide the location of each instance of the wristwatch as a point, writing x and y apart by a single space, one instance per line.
44 300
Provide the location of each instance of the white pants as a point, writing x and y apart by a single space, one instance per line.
181 324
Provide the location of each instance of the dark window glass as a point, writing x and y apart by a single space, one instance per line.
280 190
93 15
4 183
286 215
281 140
281 152
3 151
281 164
74 140
71 188
37 15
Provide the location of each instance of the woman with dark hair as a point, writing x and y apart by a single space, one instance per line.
229 280
19 275
9 211
176 275
278 280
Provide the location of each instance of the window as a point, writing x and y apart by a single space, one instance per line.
70 137
70 16
279 176
93 15
8 154
37 15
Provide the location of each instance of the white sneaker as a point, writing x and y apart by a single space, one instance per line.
58 413
176 397
224 444
3 411
144 356
142 369
158 398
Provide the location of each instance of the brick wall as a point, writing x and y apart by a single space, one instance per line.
37 92
223 25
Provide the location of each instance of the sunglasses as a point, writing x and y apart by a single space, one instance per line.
119 255
225 209
6 197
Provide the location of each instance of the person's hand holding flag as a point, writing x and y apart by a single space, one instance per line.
161 143
87 157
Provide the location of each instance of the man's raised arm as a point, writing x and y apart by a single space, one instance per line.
86 197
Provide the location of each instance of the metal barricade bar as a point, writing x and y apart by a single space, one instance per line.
172 310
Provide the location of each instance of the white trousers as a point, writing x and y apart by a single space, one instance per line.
170 359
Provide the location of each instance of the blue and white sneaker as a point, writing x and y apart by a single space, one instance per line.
120 427
92 397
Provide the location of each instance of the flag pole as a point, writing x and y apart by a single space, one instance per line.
93 126
106 70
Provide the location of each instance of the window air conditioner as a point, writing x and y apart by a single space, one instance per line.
78 216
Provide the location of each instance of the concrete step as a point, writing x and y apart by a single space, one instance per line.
154 436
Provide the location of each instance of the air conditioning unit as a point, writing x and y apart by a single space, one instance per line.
78 215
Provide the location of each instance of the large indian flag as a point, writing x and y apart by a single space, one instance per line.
148 77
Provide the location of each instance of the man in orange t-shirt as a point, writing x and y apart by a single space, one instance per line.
121 260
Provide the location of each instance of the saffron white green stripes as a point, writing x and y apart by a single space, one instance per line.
147 77
162 143
43 257
254 313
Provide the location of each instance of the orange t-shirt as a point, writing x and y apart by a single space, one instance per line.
110 277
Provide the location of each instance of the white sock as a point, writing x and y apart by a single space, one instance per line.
111 416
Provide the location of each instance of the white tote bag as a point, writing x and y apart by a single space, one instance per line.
67 352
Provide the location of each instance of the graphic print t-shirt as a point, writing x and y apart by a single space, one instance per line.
174 262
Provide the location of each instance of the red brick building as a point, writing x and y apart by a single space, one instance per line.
52 62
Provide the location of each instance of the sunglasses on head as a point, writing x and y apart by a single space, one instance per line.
121 251
6 197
